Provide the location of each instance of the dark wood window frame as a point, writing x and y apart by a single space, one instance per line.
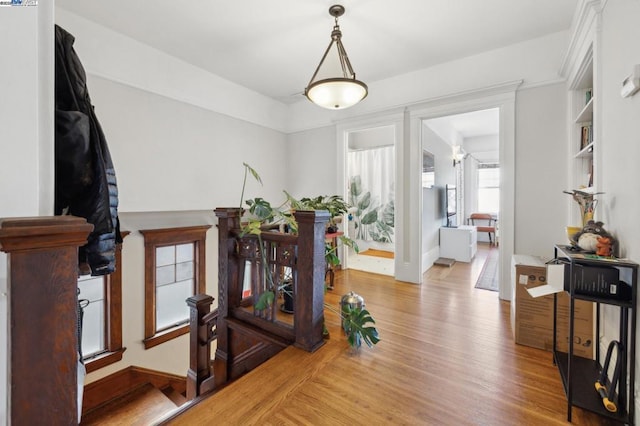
154 238
113 321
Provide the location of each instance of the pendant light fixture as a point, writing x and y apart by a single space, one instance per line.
340 88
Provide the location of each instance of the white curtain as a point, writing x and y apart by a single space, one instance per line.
376 168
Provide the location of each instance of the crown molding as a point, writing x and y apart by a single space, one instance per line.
584 25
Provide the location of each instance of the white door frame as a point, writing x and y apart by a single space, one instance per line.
408 122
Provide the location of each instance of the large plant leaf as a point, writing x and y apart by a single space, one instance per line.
253 172
369 218
356 187
364 201
350 243
265 300
388 214
355 324
261 209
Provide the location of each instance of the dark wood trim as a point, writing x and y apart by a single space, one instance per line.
123 381
113 321
27 233
162 237
42 297
165 335
104 359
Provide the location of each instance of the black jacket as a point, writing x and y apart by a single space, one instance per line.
85 178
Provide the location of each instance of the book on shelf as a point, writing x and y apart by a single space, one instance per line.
586 136
588 94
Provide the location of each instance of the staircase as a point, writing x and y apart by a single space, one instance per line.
132 396
141 406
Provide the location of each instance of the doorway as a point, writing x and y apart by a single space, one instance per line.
370 170
472 140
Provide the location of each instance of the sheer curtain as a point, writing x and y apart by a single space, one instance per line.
375 169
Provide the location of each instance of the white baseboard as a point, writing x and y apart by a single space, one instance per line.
429 257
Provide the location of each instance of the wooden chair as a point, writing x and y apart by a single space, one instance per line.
484 222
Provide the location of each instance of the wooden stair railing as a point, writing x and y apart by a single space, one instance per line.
43 350
201 333
245 336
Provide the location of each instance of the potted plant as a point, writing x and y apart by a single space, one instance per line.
356 322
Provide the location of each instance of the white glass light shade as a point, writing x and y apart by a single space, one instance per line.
336 93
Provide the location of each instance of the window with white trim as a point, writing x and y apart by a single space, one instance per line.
489 188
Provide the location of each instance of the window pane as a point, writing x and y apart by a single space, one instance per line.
489 200
91 288
171 306
165 275
489 178
92 298
184 252
184 271
93 339
165 255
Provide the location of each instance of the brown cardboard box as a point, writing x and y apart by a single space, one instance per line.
532 318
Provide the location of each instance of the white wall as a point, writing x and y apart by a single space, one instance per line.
484 148
620 142
26 134
541 158
311 163
432 198
169 155
119 58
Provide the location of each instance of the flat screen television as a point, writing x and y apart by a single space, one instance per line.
451 205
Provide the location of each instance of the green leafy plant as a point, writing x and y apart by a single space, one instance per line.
355 323
261 212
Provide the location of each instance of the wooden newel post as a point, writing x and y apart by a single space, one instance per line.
199 346
43 346
228 219
309 296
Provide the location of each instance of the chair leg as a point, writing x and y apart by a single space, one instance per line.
331 274
490 241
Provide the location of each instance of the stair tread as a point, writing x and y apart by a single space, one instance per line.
138 407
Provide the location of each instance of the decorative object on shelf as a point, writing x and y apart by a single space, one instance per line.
571 232
342 90
593 238
587 203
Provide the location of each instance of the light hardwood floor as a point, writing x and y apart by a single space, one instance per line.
447 357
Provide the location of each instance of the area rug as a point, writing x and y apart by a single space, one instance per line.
488 279
378 253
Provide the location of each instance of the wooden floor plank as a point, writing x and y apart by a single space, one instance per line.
447 357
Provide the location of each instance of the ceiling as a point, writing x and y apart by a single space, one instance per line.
273 47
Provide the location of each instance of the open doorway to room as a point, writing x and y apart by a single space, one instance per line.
466 190
370 171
